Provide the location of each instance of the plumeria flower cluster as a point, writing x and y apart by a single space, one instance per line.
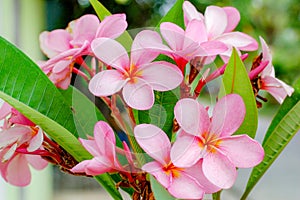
203 152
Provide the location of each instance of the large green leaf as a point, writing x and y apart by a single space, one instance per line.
162 112
174 15
24 86
236 80
125 39
284 126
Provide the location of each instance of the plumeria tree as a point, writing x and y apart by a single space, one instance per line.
159 140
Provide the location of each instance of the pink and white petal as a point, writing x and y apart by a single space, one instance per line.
99 165
106 83
233 18
61 65
239 40
138 95
111 53
190 12
14 134
91 146
173 34
37 162
36 142
55 42
195 32
219 170
5 110
243 151
112 26
154 142
228 115
215 20
84 29
196 172
278 89
186 151
146 46
191 190
191 116
265 50
156 169
105 139
211 48
162 76
80 167
18 172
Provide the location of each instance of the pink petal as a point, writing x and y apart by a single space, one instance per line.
5 110
191 116
111 53
173 34
278 89
13 134
233 18
61 65
190 12
138 95
211 48
84 29
219 170
154 142
186 151
186 187
91 146
228 115
195 32
80 167
162 76
242 150
100 165
146 46
156 169
265 50
112 26
106 83
55 42
239 40
36 142
18 172
37 162
215 20
105 139
196 172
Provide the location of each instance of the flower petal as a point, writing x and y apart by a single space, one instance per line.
106 83
239 40
219 170
228 115
18 172
195 32
190 12
211 48
186 151
215 20
37 162
154 142
173 34
110 52
112 26
191 190
191 116
36 142
162 76
233 18
139 95
91 146
146 46
156 169
242 150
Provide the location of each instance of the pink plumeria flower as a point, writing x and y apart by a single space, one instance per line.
217 24
268 82
103 150
157 145
14 164
65 47
137 75
211 139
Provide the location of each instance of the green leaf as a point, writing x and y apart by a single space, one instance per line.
174 15
125 39
236 80
24 86
284 126
162 112
159 191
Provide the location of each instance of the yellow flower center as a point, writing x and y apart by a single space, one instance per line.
172 170
132 74
210 142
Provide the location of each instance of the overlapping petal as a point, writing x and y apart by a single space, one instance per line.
215 20
112 26
156 169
